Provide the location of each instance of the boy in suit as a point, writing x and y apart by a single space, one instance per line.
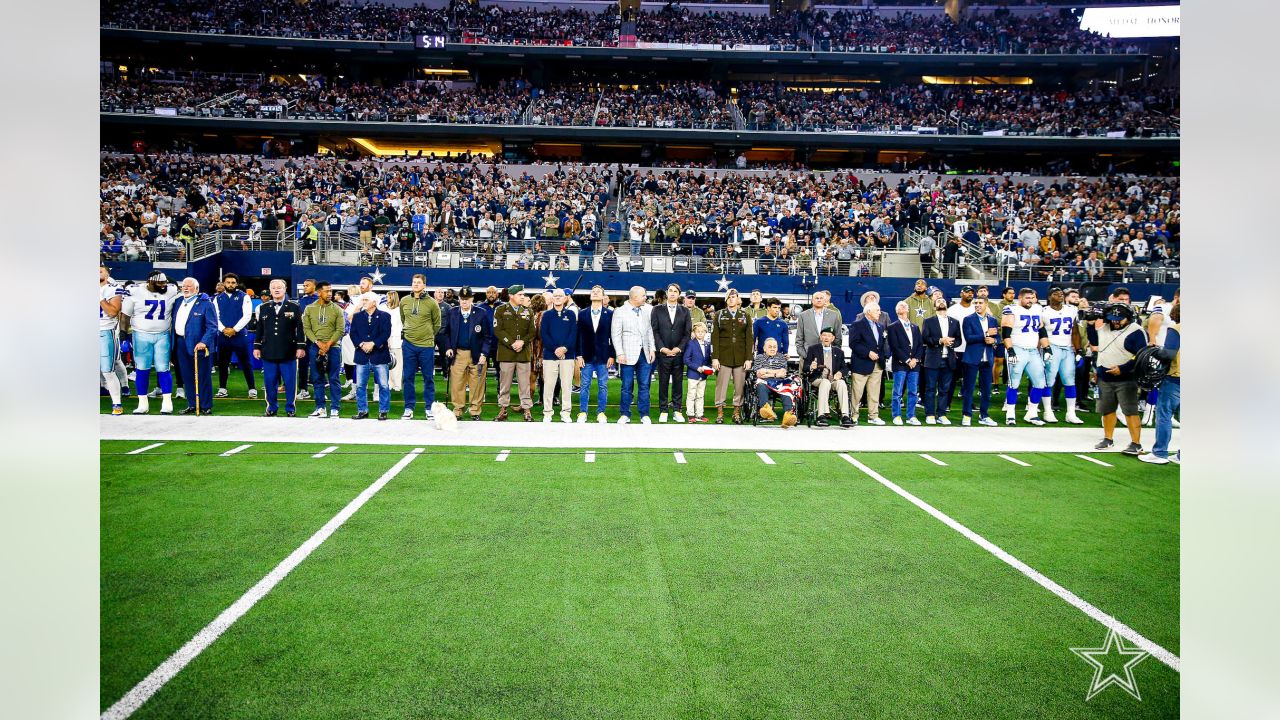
697 360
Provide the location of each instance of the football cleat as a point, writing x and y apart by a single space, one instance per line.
1049 417
1074 419
117 409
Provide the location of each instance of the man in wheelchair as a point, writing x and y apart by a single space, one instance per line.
769 369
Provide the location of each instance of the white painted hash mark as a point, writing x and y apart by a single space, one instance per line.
235 450
589 457
932 459
151 684
141 450
765 458
680 459
1095 461
1074 600
325 451
1014 460
502 456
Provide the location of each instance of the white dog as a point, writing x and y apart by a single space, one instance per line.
445 419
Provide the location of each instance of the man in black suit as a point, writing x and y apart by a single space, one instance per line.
825 366
869 345
907 349
279 343
941 336
672 328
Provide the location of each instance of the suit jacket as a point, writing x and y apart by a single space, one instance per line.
904 350
375 328
809 334
481 331
669 335
595 347
838 364
695 357
201 327
863 341
278 334
933 332
976 349
632 333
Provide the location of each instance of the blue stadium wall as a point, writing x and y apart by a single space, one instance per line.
845 290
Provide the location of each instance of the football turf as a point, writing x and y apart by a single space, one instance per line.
633 586
238 403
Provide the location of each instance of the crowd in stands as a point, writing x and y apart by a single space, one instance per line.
786 222
681 104
958 108
852 29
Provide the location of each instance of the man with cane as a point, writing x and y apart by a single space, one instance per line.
195 328
279 342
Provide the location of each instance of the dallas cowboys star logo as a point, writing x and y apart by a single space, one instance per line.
377 276
549 280
1114 645
723 284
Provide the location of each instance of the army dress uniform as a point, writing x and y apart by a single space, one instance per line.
511 324
278 336
731 342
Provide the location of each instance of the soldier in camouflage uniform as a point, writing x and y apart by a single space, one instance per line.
515 329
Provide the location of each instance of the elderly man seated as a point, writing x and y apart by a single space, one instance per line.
770 367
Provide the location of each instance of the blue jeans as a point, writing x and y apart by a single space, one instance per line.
1168 403
907 380
972 373
362 386
329 381
635 247
586 260
937 390
273 374
416 357
763 391
641 373
600 371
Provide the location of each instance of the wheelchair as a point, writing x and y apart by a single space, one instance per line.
805 404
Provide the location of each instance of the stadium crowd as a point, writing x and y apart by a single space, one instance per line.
851 30
675 104
546 340
1015 109
789 222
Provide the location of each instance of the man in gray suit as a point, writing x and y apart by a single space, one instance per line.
821 315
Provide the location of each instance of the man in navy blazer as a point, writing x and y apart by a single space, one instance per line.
869 344
195 330
595 353
370 332
980 332
467 342
942 334
906 344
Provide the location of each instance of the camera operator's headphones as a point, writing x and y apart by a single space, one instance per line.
1117 312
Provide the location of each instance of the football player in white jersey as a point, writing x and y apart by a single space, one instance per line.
149 311
1060 322
110 300
1024 334
1156 330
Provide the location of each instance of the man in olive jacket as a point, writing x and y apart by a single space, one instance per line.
420 315
731 353
514 329
324 324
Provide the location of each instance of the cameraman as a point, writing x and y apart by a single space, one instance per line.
1170 397
1115 340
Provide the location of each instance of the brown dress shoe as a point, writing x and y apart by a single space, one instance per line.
528 416
502 415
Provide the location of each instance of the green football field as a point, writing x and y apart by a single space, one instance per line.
545 586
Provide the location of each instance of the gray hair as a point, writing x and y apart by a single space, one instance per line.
901 307
193 280
871 306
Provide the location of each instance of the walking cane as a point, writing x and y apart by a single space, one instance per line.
195 360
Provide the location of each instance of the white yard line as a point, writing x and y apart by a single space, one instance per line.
1074 600
325 451
589 457
502 456
765 459
1014 460
932 459
152 683
1095 461
235 450
143 449
680 459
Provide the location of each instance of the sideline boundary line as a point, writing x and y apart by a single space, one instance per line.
151 684
1076 601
